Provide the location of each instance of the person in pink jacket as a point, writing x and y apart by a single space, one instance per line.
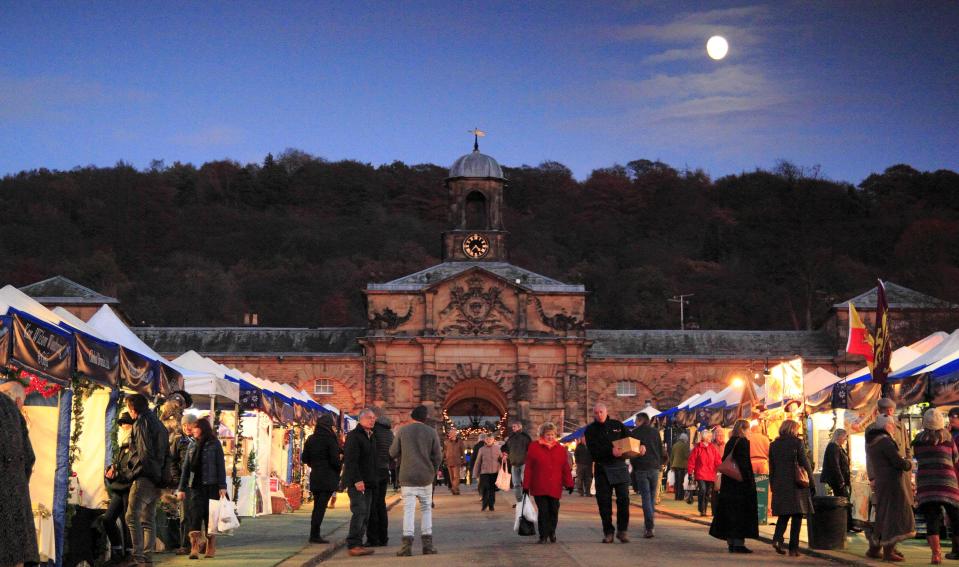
704 459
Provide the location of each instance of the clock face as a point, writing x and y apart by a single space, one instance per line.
475 246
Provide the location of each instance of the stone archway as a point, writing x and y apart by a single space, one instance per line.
475 399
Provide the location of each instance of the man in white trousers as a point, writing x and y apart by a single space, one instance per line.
418 452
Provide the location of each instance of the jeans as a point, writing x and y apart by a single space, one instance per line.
413 495
793 530
679 477
648 484
487 486
604 500
705 494
584 479
320 499
360 504
547 515
119 535
140 514
377 530
518 481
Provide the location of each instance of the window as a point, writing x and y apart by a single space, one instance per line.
323 387
625 388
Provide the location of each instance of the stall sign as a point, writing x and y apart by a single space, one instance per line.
170 380
137 372
99 361
42 348
785 382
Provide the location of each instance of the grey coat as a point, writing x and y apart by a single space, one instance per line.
18 540
788 499
417 449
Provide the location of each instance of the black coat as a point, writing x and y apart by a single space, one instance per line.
600 437
210 470
383 437
788 499
322 454
150 444
736 514
835 466
359 458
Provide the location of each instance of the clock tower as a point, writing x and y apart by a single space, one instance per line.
475 186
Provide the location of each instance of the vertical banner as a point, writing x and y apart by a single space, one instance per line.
785 382
137 372
97 360
169 380
42 348
250 397
882 354
4 340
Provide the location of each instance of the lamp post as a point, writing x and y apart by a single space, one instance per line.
682 301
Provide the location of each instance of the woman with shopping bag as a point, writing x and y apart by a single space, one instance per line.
487 467
547 473
204 475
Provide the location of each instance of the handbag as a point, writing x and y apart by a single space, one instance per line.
616 473
729 468
802 475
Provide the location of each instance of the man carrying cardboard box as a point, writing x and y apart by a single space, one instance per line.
611 472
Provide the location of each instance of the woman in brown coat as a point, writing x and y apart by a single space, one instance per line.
790 501
892 486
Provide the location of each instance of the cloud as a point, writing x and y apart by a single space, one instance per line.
210 136
740 22
674 55
59 96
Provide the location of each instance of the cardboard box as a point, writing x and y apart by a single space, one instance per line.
629 446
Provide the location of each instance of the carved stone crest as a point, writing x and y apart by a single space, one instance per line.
476 311
389 319
560 321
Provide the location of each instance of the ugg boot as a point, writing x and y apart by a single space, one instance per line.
428 548
195 545
955 549
210 546
406 548
934 546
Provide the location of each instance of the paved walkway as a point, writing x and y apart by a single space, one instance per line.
916 551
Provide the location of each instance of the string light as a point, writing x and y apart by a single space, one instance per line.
499 429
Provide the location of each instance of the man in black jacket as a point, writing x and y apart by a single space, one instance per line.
377 529
149 446
647 468
584 468
610 472
359 476
322 454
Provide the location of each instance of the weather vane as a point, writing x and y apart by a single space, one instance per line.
477 134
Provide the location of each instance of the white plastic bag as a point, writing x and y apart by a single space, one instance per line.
529 509
671 478
691 484
228 520
222 518
503 478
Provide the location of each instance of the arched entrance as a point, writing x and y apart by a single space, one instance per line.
475 405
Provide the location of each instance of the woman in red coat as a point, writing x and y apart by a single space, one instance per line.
547 473
704 459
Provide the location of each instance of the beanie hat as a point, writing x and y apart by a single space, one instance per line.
886 403
932 419
419 413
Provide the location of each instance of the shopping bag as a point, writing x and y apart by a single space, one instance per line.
227 521
213 518
521 524
691 484
671 478
503 477
529 509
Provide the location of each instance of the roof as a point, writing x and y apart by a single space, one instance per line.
61 290
898 297
253 340
709 344
435 274
475 164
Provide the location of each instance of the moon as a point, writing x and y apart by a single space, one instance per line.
717 47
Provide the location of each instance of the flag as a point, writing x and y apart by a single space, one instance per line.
882 345
860 340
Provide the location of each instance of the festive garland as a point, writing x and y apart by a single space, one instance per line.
237 453
499 429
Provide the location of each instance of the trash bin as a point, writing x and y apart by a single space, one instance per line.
827 525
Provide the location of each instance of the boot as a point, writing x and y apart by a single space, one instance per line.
428 548
194 545
406 548
888 555
874 551
955 549
934 546
210 546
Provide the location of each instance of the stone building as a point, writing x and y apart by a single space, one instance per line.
477 336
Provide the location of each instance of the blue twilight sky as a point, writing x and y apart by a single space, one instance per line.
852 86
